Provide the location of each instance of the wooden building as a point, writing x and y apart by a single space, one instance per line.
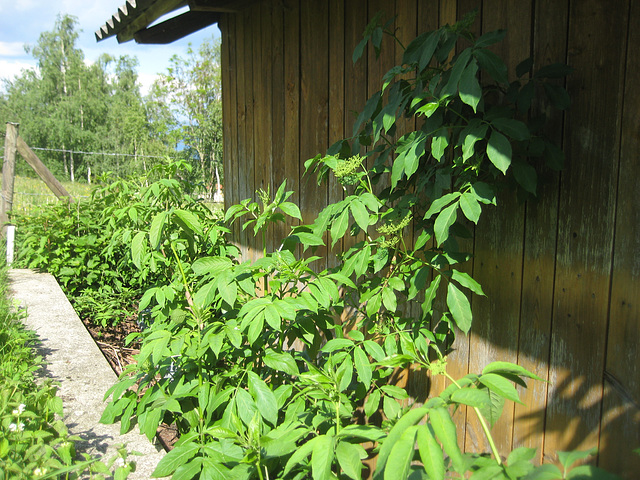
561 274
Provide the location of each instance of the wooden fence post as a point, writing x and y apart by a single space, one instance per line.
43 172
8 174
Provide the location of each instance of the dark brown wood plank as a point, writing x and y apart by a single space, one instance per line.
280 230
245 161
291 152
229 108
620 426
314 104
550 26
596 49
498 248
355 82
263 133
336 100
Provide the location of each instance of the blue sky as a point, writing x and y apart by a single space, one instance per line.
22 21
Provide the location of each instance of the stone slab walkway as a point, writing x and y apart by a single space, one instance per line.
74 360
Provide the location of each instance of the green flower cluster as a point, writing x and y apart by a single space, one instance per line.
345 170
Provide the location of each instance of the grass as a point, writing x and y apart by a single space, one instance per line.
29 193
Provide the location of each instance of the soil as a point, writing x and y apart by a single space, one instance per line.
112 343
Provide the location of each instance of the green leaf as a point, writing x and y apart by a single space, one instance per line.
445 430
399 462
291 209
461 62
557 95
484 193
282 362
190 221
349 459
459 307
470 207
500 385
337 344
490 38
589 472
439 143
567 459
138 249
512 128
510 369
524 67
428 109
465 280
555 70
363 367
407 420
470 91
389 299
430 295
391 408
372 404
545 472
360 214
430 452
526 176
322 458
308 239
273 318
211 265
439 203
520 454
471 396
444 220
300 454
472 133
264 398
155 231
188 470
232 211
493 64
395 391
339 226
374 350
499 151
172 460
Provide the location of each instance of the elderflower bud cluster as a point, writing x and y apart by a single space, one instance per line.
345 170
438 367
392 230
393 227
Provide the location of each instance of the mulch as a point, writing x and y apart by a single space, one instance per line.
112 343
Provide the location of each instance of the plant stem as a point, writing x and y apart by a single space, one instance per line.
483 423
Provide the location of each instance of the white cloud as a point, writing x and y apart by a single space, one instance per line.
10 68
146 80
11 49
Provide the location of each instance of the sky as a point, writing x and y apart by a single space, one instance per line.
22 21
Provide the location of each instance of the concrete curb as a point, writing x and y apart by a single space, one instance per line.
74 360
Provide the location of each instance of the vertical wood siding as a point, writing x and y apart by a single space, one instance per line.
561 273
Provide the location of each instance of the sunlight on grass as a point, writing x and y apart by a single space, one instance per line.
29 193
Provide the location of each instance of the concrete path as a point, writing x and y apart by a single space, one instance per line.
72 358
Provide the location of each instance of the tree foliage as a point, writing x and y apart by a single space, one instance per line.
68 106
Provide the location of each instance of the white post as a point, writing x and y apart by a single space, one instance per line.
11 235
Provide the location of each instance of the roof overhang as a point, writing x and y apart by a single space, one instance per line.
132 20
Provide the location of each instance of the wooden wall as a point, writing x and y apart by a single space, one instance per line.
562 274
